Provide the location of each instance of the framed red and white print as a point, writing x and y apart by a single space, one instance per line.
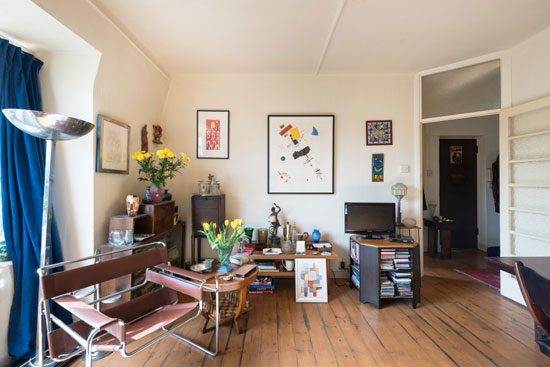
213 134
379 132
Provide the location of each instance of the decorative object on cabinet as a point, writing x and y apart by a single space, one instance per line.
220 240
147 199
213 134
316 236
49 127
399 190
379 132
208 209
274 225
132 205
157 134
300 154
262 238
382 270
378 167
160 215
158 172
113 146
311 280
167 195
144 139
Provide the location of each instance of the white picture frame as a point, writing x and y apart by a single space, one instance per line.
314 270
300 154
212 134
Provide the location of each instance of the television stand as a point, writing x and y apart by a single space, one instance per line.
370 236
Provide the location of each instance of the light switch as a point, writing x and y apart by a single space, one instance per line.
404 168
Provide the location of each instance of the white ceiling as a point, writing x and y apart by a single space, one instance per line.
27 25
295 36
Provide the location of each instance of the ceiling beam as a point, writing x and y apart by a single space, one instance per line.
330 34
126 34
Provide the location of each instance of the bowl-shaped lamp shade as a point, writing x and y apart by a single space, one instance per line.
49 126
399 190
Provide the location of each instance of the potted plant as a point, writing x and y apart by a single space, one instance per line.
222 242
158 171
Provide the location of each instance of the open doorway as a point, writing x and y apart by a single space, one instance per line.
458 158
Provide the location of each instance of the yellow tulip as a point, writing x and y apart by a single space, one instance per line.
214 225
240 230
219 236
240 221
233 224
227 222
206 226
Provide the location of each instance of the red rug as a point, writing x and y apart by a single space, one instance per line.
491 277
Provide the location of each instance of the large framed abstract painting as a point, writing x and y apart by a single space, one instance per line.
311 280
212 134
379 132
300 154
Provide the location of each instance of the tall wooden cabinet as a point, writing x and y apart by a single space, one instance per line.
204 208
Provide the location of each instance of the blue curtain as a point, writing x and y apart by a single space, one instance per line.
22 159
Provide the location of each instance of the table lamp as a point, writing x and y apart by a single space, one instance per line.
50 127
399 190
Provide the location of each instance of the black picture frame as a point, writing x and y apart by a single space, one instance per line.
297 116
101 165
199 138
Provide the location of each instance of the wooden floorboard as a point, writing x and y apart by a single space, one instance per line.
460 322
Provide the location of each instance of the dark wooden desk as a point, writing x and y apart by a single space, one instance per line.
445 229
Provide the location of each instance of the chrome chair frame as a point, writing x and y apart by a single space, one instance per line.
93 335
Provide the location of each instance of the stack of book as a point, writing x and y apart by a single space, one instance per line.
266 265
387 289
386 259
402 259
262 285
403 282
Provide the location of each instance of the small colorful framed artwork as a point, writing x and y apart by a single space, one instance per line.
379 132
378 167
456 154
311 280
212 134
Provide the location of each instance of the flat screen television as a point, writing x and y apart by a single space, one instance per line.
369 219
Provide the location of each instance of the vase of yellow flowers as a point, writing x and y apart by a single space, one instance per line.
223 242
159 171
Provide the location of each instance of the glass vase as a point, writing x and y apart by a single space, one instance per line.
157 193
224 253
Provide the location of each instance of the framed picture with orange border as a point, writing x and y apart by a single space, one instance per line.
379 132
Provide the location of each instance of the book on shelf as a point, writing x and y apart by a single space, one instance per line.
261 292
386 265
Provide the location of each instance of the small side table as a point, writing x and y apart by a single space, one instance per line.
445 229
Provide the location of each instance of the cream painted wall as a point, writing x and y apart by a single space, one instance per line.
67 82
128 88
530 80
244 176
485 131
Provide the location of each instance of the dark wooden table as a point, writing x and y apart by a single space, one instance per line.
539 264
445 229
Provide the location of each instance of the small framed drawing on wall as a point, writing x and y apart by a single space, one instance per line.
113 144
379 132
311 280
213 134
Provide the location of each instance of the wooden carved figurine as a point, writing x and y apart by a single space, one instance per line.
157 134
144 140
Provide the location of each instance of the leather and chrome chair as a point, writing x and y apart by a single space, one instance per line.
536 292
117 328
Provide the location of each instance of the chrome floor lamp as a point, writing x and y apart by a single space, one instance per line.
50 127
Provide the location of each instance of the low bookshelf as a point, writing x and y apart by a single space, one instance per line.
377 266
